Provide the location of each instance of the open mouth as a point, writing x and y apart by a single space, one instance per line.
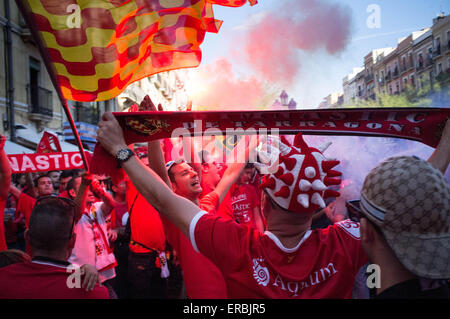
195 183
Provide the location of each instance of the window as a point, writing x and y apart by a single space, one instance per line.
87 112
448 40
439 68
35 68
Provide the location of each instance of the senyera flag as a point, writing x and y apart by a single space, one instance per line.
96 48
424 125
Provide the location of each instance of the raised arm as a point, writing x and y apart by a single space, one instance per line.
155 153
233 171
80 199
440 158
177 209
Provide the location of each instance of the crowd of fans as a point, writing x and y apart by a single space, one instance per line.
214 231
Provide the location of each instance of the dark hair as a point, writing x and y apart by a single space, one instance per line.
12 256
71 183
172 164
170 173
51 223
66 173
36 180
249 165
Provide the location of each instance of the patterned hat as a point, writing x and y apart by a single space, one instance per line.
409 200
297 175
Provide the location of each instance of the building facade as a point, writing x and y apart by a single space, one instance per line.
29 104
418 61
441 47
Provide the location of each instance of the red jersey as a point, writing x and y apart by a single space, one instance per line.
244 200
117 215
255 265
146 226
202 279
42 280
25 206
2 230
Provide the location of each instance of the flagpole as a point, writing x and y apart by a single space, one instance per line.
34 31
75 132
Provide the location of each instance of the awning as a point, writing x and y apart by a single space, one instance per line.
14 148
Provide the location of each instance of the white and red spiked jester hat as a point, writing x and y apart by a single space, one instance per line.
297 176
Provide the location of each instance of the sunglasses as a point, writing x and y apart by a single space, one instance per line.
170 164
354 210
65 200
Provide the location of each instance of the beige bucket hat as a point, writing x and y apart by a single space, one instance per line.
409 200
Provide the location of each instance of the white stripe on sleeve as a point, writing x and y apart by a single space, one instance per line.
192 228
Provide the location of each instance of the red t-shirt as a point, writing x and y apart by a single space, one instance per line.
41 280
2 228
146 225
117 215
25 206
255 265
64 194
202 278
243 201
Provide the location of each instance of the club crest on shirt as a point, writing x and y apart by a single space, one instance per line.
260 273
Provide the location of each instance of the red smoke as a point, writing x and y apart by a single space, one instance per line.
218 88
272 45
271 49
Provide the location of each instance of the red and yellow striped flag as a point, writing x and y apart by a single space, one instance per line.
97 48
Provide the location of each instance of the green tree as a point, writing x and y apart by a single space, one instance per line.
427 96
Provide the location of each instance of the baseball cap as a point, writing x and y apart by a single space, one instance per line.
409 200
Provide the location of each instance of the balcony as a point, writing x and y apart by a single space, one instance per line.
369 78
396 73
419 65
40 101
388 77
403 68
437 52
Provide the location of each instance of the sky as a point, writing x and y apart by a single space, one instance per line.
305 47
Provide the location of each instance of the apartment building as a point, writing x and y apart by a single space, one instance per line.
349 86
371 60
423 55
29 104
441 45
418 60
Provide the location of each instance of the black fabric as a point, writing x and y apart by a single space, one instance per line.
144 277
412 289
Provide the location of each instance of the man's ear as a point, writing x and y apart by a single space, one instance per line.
72 193
368 232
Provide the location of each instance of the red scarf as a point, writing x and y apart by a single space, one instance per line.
420 124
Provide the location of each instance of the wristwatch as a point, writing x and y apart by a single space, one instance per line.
123 155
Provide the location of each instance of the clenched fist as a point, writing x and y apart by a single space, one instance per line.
110 134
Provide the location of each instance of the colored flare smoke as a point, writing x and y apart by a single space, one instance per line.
215 86
273 44
270 48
